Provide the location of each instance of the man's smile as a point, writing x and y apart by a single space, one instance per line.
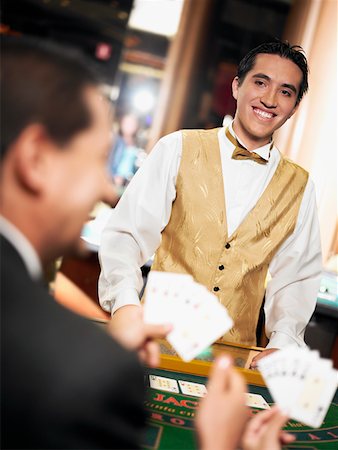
263 115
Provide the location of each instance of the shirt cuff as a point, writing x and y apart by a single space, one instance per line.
124 298
281 340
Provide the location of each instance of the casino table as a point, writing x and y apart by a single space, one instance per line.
171 416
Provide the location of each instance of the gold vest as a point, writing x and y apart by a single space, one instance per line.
196 240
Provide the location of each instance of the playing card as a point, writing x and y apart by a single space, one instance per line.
278 374
315 396
256 401
194 389
301 383
162 291
197 317
163 384
199 324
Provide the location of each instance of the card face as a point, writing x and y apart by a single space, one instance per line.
193 389
163 384
199 327
315 396
301 383
162 292
197 317
256 401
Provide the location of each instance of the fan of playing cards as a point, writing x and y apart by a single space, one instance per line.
197 317
301 383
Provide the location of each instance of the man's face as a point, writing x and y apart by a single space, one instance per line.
79 177
266 98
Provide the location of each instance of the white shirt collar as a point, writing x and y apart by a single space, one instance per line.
263 151
23 247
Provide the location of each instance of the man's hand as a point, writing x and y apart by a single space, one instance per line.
128 328
263 354
222 413
264 431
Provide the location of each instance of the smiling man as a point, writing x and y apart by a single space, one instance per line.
225 206
267 95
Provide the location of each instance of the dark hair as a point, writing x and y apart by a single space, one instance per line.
43 83
294 53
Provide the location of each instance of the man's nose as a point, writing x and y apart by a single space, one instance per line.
269 99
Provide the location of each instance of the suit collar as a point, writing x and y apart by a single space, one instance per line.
23 247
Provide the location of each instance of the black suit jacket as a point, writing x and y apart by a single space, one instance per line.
64 382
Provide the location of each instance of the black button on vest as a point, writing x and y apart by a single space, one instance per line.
227 245
216 288
221 267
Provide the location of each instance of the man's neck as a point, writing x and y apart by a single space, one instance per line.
250 142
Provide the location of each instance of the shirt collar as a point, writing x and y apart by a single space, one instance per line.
23 247
263 151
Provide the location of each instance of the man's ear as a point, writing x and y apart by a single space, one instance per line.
235 85
31 157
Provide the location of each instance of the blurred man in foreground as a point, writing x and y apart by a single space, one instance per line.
64 382
62 378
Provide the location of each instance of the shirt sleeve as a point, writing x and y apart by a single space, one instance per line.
133 232
295 270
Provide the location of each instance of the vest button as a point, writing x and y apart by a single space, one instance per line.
216 288
221 267
227 245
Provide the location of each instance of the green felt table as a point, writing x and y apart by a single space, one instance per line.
171 415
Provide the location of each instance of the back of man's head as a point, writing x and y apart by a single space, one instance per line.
42 83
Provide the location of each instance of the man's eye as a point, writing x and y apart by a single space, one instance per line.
286 93
259 83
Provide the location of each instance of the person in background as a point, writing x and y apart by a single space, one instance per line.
65 383
226 207
124 158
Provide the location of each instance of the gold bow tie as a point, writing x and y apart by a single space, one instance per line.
242 153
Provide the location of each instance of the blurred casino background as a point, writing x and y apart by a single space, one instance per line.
170 63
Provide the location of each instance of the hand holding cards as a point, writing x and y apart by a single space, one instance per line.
197 317
301 383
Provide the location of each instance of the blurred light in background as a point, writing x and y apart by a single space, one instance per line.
156 16
103 51
143 100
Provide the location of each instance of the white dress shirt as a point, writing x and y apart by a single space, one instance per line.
133 234
23 247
